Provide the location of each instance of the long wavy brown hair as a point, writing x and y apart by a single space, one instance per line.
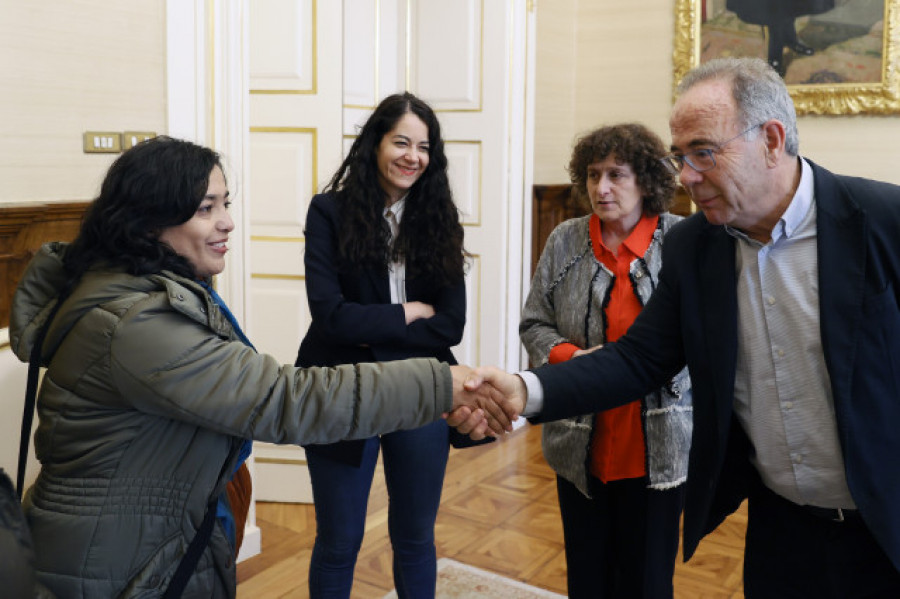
430 240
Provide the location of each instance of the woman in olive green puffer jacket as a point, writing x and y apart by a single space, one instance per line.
150 392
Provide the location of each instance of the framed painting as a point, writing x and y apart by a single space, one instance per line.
836 56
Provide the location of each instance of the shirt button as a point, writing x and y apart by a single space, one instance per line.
788 405
780 353
798 459
770 300
638 275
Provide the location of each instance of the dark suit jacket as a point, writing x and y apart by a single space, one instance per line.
692 319
353 319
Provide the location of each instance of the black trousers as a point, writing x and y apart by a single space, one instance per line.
623 541
792 554
782 32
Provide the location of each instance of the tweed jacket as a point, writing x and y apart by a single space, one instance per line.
569 292
147 397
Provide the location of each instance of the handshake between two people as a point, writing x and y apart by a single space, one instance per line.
486 401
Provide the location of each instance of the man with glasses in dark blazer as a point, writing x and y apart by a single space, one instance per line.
781 296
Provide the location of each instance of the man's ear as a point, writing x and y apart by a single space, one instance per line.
774 138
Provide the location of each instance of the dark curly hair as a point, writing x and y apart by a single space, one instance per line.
156 184
430 240
635 145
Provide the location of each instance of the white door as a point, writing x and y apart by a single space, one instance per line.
294 142
468 60
317 69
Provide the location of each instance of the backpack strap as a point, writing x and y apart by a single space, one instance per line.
34 368
189 561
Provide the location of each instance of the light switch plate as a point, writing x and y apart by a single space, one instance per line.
103 142
133 138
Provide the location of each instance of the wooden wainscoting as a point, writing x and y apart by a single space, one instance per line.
551 205
23 229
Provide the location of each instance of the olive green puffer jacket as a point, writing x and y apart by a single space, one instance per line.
145 403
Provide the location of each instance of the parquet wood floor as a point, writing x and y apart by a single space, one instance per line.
498 512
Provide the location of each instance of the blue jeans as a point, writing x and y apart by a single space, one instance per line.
414 464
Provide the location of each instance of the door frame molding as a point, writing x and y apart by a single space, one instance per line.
521 172
207 100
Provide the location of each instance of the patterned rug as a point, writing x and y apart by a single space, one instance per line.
460 581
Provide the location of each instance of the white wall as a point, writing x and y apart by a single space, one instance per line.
618 56
67 67
555 76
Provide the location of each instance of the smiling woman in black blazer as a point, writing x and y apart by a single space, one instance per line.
385 281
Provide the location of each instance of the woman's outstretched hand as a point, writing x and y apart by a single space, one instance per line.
486 401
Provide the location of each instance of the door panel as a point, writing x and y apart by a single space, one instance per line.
294 142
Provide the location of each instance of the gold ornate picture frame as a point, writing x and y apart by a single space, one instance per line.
816 86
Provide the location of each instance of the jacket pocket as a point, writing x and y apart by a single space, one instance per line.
153 577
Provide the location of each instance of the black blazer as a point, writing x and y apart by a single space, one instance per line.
353 319
692 319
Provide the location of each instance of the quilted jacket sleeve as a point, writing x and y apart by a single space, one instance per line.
163 362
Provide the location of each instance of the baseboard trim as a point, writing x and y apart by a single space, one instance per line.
252 543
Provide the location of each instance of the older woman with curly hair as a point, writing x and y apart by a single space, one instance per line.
620 473
385 281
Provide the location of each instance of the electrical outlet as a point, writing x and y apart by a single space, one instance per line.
133 138
104 142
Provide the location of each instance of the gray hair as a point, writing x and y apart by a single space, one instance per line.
759 93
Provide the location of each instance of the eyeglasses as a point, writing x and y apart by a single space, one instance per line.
699 160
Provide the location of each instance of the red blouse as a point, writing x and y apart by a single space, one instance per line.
617 447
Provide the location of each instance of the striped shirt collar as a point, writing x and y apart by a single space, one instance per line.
396 208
